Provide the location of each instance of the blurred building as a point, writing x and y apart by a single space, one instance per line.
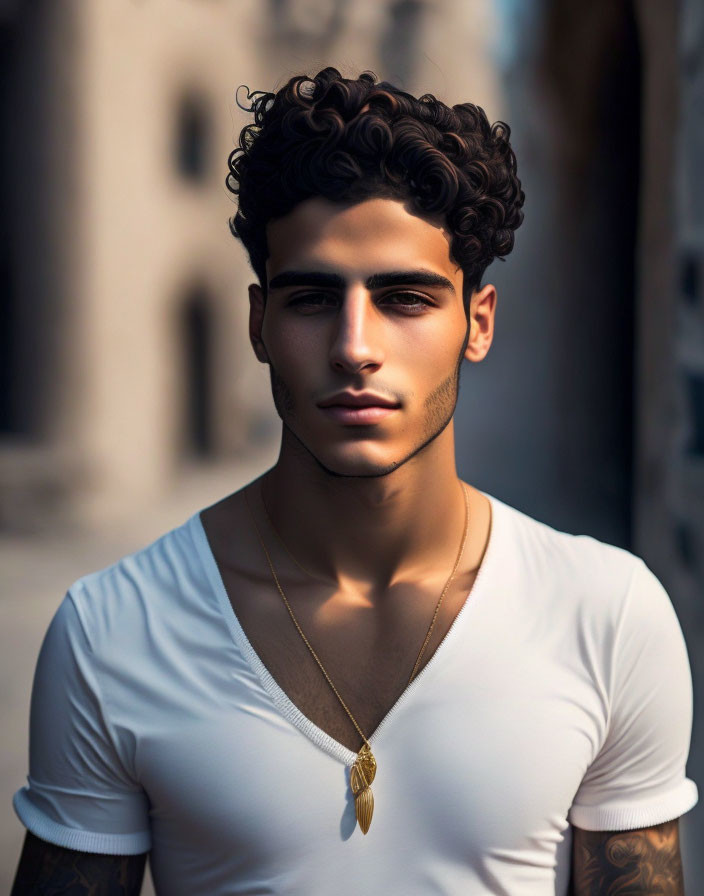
126 344
625 84
125 356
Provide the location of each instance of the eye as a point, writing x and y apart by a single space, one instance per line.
411 302
308 302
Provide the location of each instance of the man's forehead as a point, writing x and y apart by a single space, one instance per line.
319 217
370 237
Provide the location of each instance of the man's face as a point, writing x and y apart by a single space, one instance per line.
362 299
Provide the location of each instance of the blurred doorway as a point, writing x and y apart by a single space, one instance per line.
197 341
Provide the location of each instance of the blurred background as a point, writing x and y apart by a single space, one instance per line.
129 394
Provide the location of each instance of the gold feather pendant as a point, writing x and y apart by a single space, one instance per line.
361 776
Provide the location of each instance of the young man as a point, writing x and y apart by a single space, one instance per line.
359 674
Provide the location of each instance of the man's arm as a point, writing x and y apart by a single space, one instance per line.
46 870
643 862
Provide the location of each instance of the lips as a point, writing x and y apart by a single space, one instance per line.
358 400
357 416
358 408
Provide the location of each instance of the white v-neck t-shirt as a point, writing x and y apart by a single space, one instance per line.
561 695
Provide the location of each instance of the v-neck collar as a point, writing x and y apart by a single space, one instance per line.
281 700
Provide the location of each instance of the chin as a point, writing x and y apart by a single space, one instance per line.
361 458
356 463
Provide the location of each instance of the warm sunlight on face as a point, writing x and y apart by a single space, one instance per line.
362 299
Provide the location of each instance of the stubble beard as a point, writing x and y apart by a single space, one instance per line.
439 410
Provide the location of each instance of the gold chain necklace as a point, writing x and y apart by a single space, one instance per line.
363 770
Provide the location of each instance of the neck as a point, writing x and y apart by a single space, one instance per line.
369 532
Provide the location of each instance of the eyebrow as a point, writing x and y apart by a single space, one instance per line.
376 281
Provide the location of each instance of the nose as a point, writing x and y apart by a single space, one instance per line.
356 343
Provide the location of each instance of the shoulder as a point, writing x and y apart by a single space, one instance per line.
601 600
119 603
580 572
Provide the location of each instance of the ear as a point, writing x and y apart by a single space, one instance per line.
256 321
482 308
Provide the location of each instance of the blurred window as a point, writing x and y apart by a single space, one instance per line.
197 327
193 138
689 279
694 384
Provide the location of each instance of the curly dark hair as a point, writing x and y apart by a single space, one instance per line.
351 139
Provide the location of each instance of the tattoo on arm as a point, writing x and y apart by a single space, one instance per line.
47 870
643 862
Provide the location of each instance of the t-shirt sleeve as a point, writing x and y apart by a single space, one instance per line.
638 777
79 793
